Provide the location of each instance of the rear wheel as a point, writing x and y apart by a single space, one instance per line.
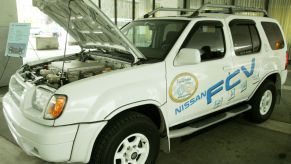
263 102
130 138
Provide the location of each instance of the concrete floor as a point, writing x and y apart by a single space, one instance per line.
234 141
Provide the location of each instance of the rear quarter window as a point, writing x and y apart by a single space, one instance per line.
274 35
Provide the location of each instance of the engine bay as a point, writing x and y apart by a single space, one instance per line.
57 73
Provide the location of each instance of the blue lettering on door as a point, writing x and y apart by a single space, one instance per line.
229 86
218 87
249 73
214 90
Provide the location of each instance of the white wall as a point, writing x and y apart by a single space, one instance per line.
8 13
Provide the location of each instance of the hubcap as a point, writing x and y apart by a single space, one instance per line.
134 149
266 102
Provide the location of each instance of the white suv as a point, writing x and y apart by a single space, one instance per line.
128 92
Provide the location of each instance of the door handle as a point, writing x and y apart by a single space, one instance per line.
227 68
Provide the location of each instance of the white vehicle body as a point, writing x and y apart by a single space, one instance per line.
92 102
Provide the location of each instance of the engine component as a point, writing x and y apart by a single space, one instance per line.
45 72
52 78
76 69
76 65
107 69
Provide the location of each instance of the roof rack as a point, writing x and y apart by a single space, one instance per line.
168 9
203 9
231 9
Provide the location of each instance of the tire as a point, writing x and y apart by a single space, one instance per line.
128 138
263 102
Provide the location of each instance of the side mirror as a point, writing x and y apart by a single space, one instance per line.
187 56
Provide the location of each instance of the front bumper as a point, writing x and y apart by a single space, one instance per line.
52 144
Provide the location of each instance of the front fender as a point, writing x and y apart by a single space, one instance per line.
95 98
165 141
132 105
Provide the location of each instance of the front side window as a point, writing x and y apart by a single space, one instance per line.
208 38
154 38
245 37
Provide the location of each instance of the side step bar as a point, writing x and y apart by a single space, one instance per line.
196 126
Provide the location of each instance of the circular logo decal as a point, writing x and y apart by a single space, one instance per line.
183 87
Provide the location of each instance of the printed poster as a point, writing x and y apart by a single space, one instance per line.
17 40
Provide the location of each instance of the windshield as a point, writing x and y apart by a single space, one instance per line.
154 38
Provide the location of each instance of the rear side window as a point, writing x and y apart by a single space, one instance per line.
245 37
274 35
255 38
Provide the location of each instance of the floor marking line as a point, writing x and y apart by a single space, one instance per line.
276 126
286 87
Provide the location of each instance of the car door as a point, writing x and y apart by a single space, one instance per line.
198 89
246 56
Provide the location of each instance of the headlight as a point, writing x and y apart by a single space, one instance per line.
55 107
41 98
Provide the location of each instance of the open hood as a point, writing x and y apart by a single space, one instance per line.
89 26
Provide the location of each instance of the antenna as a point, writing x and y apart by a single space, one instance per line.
66 41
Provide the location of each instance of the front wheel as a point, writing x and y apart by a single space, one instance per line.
263 102
130 138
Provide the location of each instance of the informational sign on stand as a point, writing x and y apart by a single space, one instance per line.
17 40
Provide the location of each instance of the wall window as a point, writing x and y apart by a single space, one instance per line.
208 38
170 4
107 6
195 4
245 37
124 12
223 2
142 7
274 35
96 2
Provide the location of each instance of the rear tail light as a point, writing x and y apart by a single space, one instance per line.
287 60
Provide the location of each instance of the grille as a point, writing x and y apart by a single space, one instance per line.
16 90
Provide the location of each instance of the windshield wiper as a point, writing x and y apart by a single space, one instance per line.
148 60
140 61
